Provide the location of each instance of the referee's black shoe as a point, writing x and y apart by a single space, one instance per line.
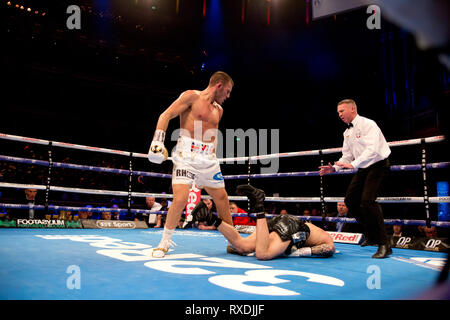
384 250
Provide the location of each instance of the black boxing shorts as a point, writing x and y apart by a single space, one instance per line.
290 228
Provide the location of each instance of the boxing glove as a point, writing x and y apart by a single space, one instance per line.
157 152
201 213
254 195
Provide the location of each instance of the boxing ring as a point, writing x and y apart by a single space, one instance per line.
116 264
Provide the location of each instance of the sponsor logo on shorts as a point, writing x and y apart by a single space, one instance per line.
195 147
218 176
184 173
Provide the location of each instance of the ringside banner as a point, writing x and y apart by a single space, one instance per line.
404 242
113 224
41 223
346 237
420 243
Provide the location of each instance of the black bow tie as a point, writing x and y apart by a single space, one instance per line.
349 125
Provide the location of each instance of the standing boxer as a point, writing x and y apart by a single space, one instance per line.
365 149
194 158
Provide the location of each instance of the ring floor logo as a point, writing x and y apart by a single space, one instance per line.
193 264
188 233
429 263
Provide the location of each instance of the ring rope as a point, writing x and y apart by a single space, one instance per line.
309 218
69 145
386 221
223 160
71 208
422 141
87 191
410 167
235 198
83 167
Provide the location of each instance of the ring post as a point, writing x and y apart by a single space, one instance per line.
49 175
322 196
248 182
426 199
130 180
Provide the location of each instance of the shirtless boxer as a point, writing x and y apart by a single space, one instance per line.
194 158
282 235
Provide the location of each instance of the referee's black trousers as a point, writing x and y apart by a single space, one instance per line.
360 200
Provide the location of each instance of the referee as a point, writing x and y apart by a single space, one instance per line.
366 150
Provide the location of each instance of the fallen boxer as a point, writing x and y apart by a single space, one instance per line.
282 235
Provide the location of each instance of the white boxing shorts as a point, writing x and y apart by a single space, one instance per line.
196 161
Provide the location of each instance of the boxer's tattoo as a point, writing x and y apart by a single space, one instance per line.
323 250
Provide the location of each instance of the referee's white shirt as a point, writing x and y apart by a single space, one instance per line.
364 144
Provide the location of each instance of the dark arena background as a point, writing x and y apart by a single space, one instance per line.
104 82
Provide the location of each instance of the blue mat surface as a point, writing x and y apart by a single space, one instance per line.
117 264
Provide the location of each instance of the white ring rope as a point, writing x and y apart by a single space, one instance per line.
222 160
234 198
252 215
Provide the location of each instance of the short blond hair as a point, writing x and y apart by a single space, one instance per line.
220 77
348 101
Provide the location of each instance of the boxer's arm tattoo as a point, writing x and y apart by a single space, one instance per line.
323 250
